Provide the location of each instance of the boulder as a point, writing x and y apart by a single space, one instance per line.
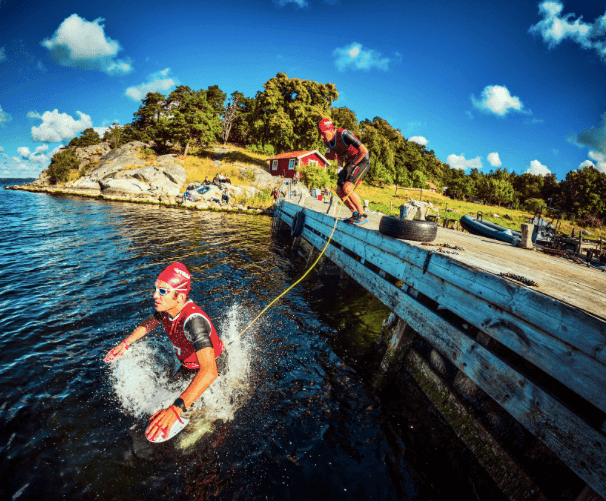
84 184
117 160
121 187
166 180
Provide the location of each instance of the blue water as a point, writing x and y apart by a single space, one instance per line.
294 418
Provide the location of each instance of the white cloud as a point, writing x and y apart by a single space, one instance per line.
2 54
494 160
419 140
154 84
300 3
83 44
537 168
555 27
57 126
100 131
586 163
33 114
1 148
498 100
4 117
356 57
36 156
600 159
461 163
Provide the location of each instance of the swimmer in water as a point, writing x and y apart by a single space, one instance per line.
193 336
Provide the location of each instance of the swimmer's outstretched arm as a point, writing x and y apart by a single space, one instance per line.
147 326
163 419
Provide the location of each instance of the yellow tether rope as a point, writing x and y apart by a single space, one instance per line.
300 279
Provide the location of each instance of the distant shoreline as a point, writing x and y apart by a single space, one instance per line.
143 200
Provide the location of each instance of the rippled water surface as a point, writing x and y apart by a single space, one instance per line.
293 417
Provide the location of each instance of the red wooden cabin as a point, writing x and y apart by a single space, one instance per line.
285 164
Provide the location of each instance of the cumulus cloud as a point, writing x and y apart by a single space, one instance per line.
2 54
555 28
494 160
83 44
461 163
1 148
537 168
593 138
354 56
419 140
600 159
36 156
4 117
497 99
586 163
57 126
155 83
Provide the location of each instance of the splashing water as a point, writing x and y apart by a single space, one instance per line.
142 378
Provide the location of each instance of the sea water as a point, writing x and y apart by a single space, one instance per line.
293 417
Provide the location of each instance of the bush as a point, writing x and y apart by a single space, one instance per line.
268 149
87 138
532 204
61 164
592 220
314 177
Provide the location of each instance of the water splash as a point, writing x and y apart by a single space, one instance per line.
142 378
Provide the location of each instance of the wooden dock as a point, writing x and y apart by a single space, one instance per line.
539 352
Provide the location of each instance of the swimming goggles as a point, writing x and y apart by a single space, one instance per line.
163 291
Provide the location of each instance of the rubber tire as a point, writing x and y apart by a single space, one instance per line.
415 229
298 222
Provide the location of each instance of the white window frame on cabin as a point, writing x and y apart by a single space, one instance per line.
291 164
274 165
313 162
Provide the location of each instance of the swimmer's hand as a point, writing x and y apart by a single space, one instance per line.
161 422
117 351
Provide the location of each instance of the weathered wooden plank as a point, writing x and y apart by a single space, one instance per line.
567 323
581 447
510 478
581 373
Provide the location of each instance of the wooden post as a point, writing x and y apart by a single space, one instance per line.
421 196
526 242
578 252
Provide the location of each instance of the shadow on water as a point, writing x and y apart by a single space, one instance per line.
298 418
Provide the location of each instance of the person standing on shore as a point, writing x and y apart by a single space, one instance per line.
193 336
354 159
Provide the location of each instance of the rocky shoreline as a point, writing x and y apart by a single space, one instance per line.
121 175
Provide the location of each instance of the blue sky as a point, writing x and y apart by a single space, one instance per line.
517 84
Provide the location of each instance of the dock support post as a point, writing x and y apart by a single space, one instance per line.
526 242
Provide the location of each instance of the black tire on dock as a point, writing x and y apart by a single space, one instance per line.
415 229
296 228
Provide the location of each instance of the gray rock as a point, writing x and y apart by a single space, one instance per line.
84 184
123 187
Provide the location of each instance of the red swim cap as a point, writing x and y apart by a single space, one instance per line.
325 124
177 276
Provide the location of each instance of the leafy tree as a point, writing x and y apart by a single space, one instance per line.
287 111
193 119
532 204
241 129
88 137
216 98
229 117
113 136
502 190
147 119
418 179
344 118
584 191
61 163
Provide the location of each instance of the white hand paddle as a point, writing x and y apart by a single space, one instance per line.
174 430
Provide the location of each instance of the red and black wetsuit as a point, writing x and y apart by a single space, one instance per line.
346 146
190 331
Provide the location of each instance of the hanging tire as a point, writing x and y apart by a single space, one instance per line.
296 228
415 229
